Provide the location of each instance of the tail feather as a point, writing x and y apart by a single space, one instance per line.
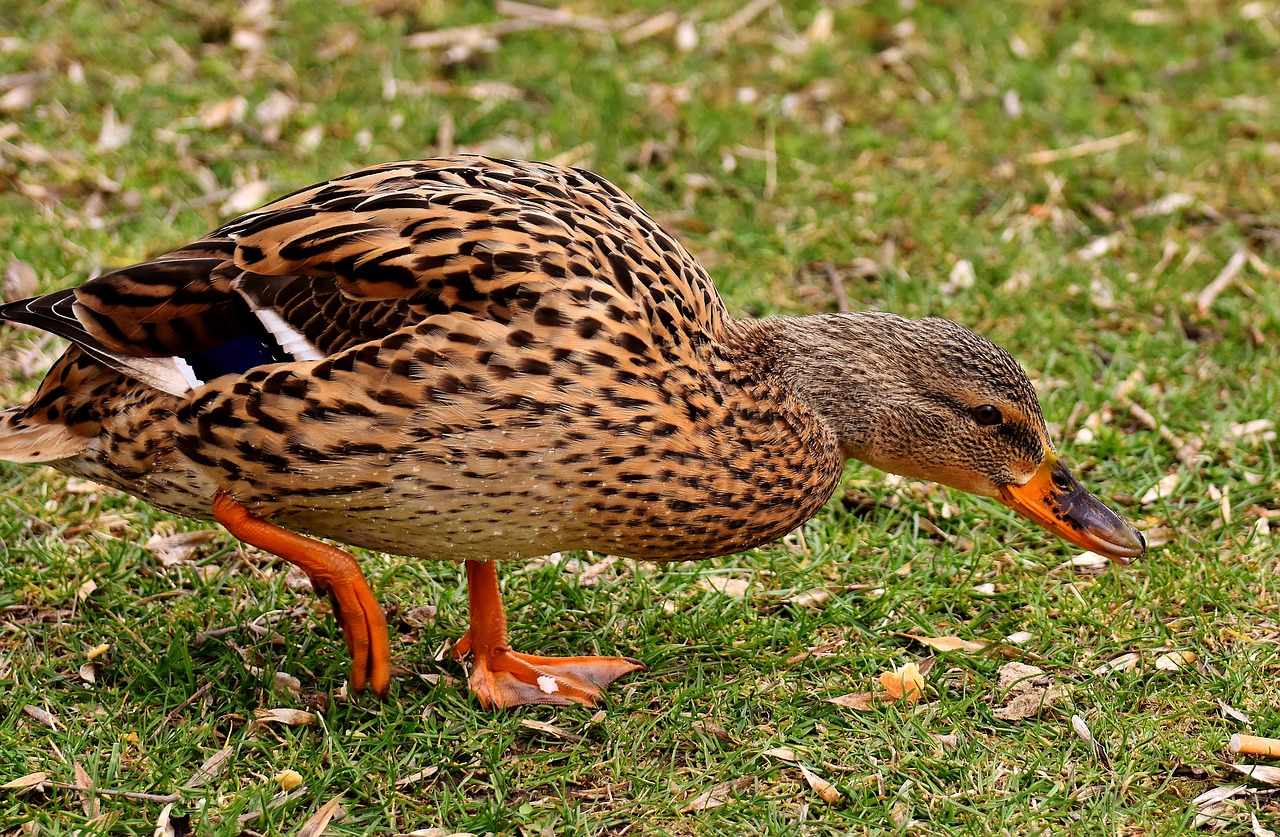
27 439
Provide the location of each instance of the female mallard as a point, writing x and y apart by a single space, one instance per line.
472 360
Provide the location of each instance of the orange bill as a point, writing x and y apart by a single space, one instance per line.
1056 500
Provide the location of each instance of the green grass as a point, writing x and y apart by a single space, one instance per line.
903 138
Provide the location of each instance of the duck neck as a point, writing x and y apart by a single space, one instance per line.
845 369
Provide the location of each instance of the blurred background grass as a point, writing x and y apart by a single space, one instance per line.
1066 178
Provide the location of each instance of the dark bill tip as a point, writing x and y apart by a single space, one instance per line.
1056 500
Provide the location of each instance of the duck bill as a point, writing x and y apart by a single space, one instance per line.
1056 500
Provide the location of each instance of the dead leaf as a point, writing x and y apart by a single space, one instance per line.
552 730
273 113
712 730
1175 660
1020 677
829 793
285 682
114 134
655 25
180 548
1161 490
1125 662
39 715
591 574
415 778
1082 149
821 27
164 825
1252 432
1258 830
1027 705
1030 690
22 783
861 701
20 280
823 650
809 598
1213 802
1090 563
223 112
18 98
1081 729
784 753
725 585
211 769
1098 247
1265 774
284 715
319 821
1164 205
961 278
1233 713
686 35
948 743
310 139
77 485
88 800
89 672
715 797
85 590
244 198
167 825
952 643
904 684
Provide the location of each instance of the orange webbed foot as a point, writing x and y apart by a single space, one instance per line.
332 571
501 677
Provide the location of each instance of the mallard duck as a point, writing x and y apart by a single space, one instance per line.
481 360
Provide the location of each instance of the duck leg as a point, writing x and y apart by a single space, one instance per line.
331 571
502 677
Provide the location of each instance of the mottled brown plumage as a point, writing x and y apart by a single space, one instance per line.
475 359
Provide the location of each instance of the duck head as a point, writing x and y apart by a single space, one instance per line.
930 399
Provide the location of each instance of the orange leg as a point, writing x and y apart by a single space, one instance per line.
331 571
503 677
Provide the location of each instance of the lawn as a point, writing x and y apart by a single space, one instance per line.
1092 185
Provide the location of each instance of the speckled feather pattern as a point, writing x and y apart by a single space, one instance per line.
516 359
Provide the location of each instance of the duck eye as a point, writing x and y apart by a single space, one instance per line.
987 415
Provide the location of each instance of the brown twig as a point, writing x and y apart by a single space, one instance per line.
655 25
254 625
137 796
546 17
275 802
837 288
1185 452
195 696
1083 149
1228 274
721 31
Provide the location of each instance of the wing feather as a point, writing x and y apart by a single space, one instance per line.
360 257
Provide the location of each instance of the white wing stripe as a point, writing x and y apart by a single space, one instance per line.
289 338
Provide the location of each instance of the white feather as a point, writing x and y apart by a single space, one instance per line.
187 372
290 339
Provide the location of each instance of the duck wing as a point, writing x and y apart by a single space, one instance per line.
360 257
